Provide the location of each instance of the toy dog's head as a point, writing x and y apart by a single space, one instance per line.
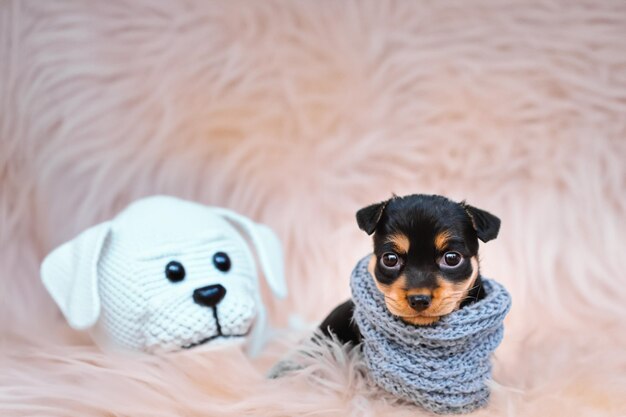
164 275
425 259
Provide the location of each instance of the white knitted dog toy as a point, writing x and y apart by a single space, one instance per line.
166 274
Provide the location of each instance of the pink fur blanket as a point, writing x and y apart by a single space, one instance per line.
297 114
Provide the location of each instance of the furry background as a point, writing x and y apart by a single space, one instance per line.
297 114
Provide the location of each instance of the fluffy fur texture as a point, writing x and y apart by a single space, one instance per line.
296 114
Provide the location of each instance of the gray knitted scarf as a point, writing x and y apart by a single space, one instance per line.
442 367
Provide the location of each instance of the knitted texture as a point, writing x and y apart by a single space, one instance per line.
142 310
111 278
442 367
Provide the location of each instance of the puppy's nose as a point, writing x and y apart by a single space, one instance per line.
210 295
419 302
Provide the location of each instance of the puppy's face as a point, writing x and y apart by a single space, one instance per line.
425 253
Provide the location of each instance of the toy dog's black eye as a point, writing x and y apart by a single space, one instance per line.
451 259
175 271
221 261
390 260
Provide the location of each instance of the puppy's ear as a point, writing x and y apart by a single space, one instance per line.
368 217
486 224
70 274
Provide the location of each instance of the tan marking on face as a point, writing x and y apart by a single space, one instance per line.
441 240
395 294
420 320
419 291
448 296
371 265
400 241
395 297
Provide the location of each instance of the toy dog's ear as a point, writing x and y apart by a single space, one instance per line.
268 249
486 224
368 217
70 274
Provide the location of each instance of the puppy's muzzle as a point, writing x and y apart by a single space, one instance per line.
210 295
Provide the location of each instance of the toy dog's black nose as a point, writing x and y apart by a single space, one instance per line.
210 295
419 302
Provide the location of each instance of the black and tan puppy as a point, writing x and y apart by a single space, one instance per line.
425 259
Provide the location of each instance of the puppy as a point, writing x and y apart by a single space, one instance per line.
425 259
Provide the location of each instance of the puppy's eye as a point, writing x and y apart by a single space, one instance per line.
221 261
390 260
451 259
175 271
